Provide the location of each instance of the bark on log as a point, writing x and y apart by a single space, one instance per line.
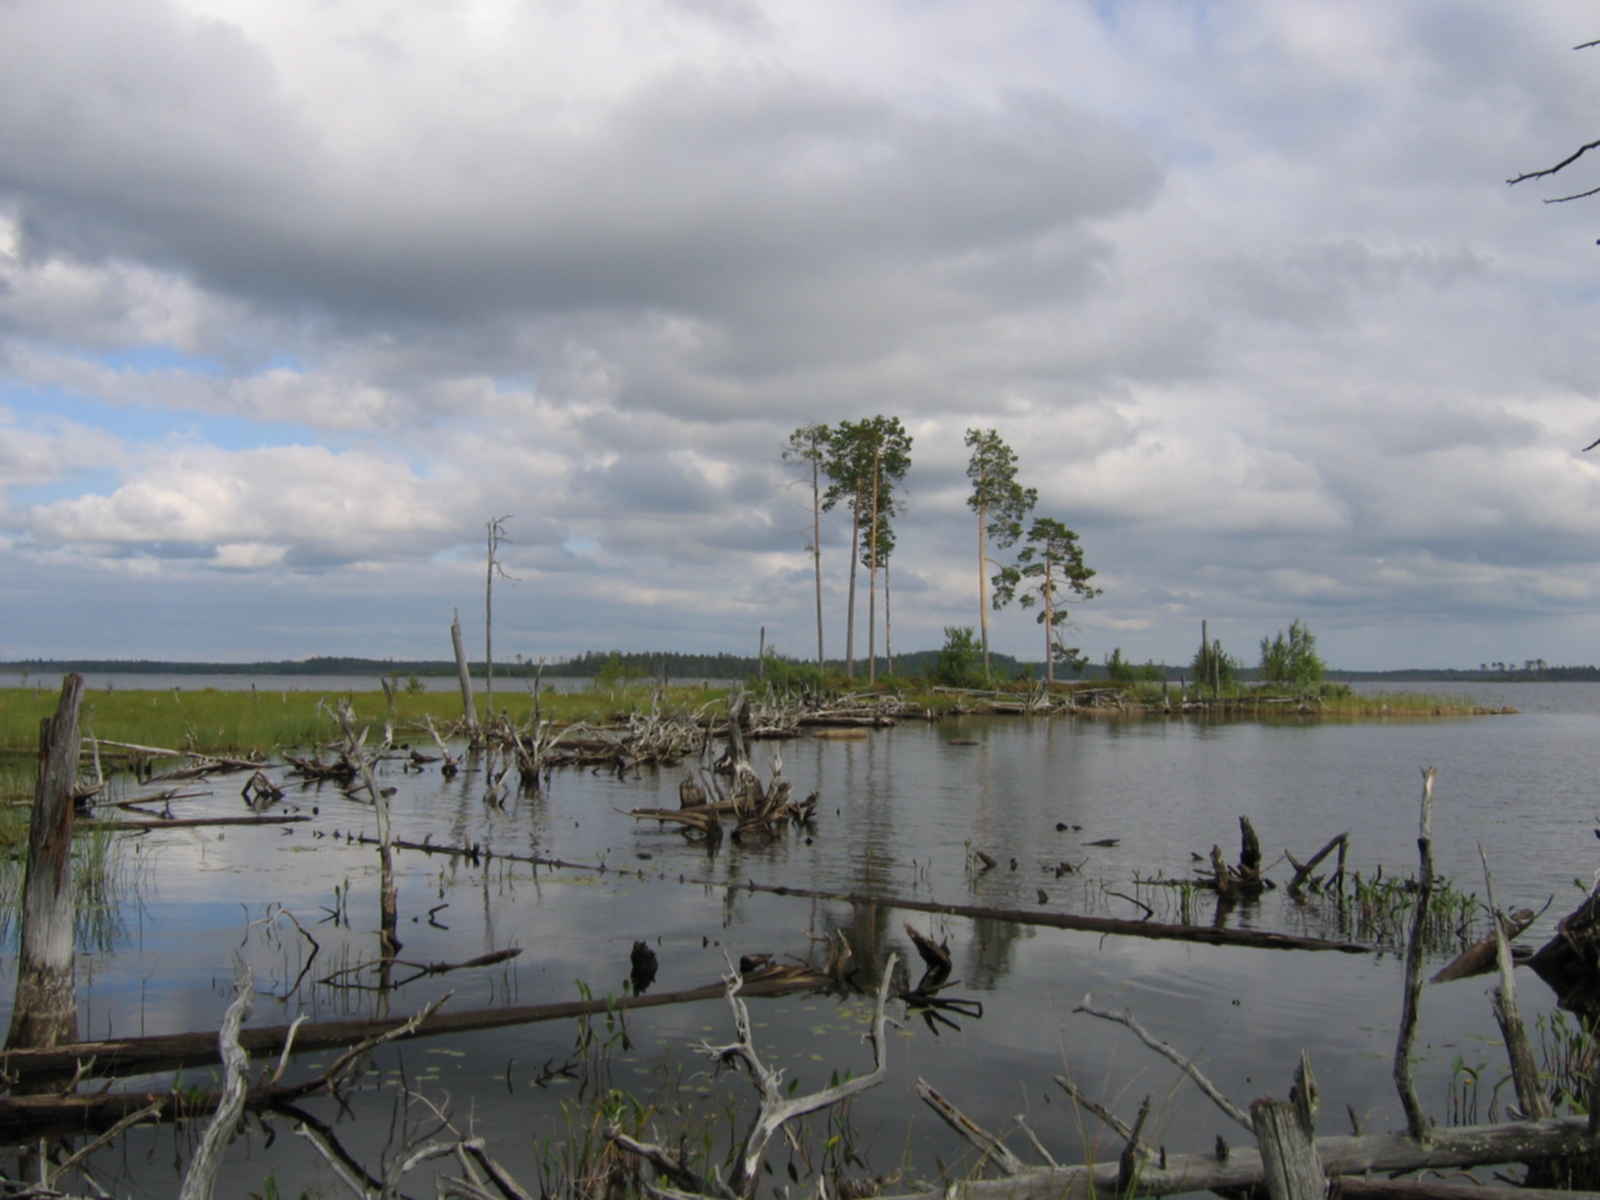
44 1011
1459 1146
187 823
1254 938
1290 1167
469 708
175 1051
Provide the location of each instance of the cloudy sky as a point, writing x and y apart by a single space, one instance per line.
296 294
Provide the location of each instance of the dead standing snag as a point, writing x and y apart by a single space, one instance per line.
45 1012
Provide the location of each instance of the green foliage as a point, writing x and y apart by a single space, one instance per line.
961 660
1291 659
1000 501
789 674
1049 564
859 453
614 674
1119 669
1214 669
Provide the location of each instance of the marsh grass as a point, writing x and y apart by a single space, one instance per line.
241 722
106 878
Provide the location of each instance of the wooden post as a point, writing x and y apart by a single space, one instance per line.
1286 1133
468 708
45 1011
1417 1123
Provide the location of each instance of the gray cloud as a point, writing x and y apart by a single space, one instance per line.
322 288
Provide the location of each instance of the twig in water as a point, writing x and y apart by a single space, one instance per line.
1172 1054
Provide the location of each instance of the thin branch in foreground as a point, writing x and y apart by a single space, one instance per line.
988 1145
200 1179
775 1110
1417 1123
1172 1054
1079 1097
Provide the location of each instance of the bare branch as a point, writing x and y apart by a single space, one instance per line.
1562 165
1172 1054
201 1177
988 1145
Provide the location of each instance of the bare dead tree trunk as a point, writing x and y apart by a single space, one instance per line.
45 1011
850 607
983 584
468 708
1286 1133
872 575
816 547
888 626
1417 1123
1049 628
497 534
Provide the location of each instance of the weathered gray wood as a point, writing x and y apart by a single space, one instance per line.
1290 1166
1416 1120
1459 1146
1260 939
173 1051
1524 1071
1302 871
469 709
1432 1189
44 1012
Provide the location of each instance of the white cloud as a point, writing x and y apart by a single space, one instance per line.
1245 290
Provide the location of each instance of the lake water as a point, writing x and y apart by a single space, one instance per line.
899 813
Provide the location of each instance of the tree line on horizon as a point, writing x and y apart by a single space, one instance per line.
691 666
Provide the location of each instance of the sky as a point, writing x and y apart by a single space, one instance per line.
296 295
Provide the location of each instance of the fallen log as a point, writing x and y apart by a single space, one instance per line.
176 1051
1253 938
1459 1146
231 764
187 822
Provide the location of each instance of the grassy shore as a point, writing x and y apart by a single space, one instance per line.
238 722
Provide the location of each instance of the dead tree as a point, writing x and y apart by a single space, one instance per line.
492 567
44 1012
469 709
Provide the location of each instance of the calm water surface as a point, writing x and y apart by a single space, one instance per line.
899 813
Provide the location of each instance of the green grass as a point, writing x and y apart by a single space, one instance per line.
237 723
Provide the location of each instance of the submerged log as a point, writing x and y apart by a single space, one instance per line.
175 1051
1210 934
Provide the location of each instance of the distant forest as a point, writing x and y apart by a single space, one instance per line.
672 665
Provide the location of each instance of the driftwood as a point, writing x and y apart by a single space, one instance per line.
45 1011
176 1051
188 822
212 763
1211 935
1244 881
1480 957
1417 1123
777 1108
1457 1146
1302 871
